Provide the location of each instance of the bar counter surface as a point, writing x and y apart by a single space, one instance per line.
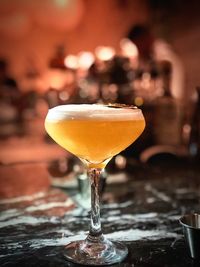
142 211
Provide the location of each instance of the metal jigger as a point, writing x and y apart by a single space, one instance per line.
84 186
191 230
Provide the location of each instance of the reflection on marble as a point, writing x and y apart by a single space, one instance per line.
142 213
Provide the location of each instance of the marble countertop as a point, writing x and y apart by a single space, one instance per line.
142 211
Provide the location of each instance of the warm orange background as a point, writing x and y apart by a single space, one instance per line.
93 23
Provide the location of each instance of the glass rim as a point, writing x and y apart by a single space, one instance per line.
109 105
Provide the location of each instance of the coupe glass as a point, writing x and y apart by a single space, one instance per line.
95 133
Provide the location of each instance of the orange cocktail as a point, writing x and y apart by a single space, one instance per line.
94 133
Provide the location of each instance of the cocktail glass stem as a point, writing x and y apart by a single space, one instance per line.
95 223
96 249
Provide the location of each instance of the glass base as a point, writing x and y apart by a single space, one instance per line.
91 252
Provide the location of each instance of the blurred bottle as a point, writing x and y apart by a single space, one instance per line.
168 112
119 77
194 143
57 61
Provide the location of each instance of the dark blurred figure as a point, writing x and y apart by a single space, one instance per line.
143 38
152 49
9 103
9 92
6 82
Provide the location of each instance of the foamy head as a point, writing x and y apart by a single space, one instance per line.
93 112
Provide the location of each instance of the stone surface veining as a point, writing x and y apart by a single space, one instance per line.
143 213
